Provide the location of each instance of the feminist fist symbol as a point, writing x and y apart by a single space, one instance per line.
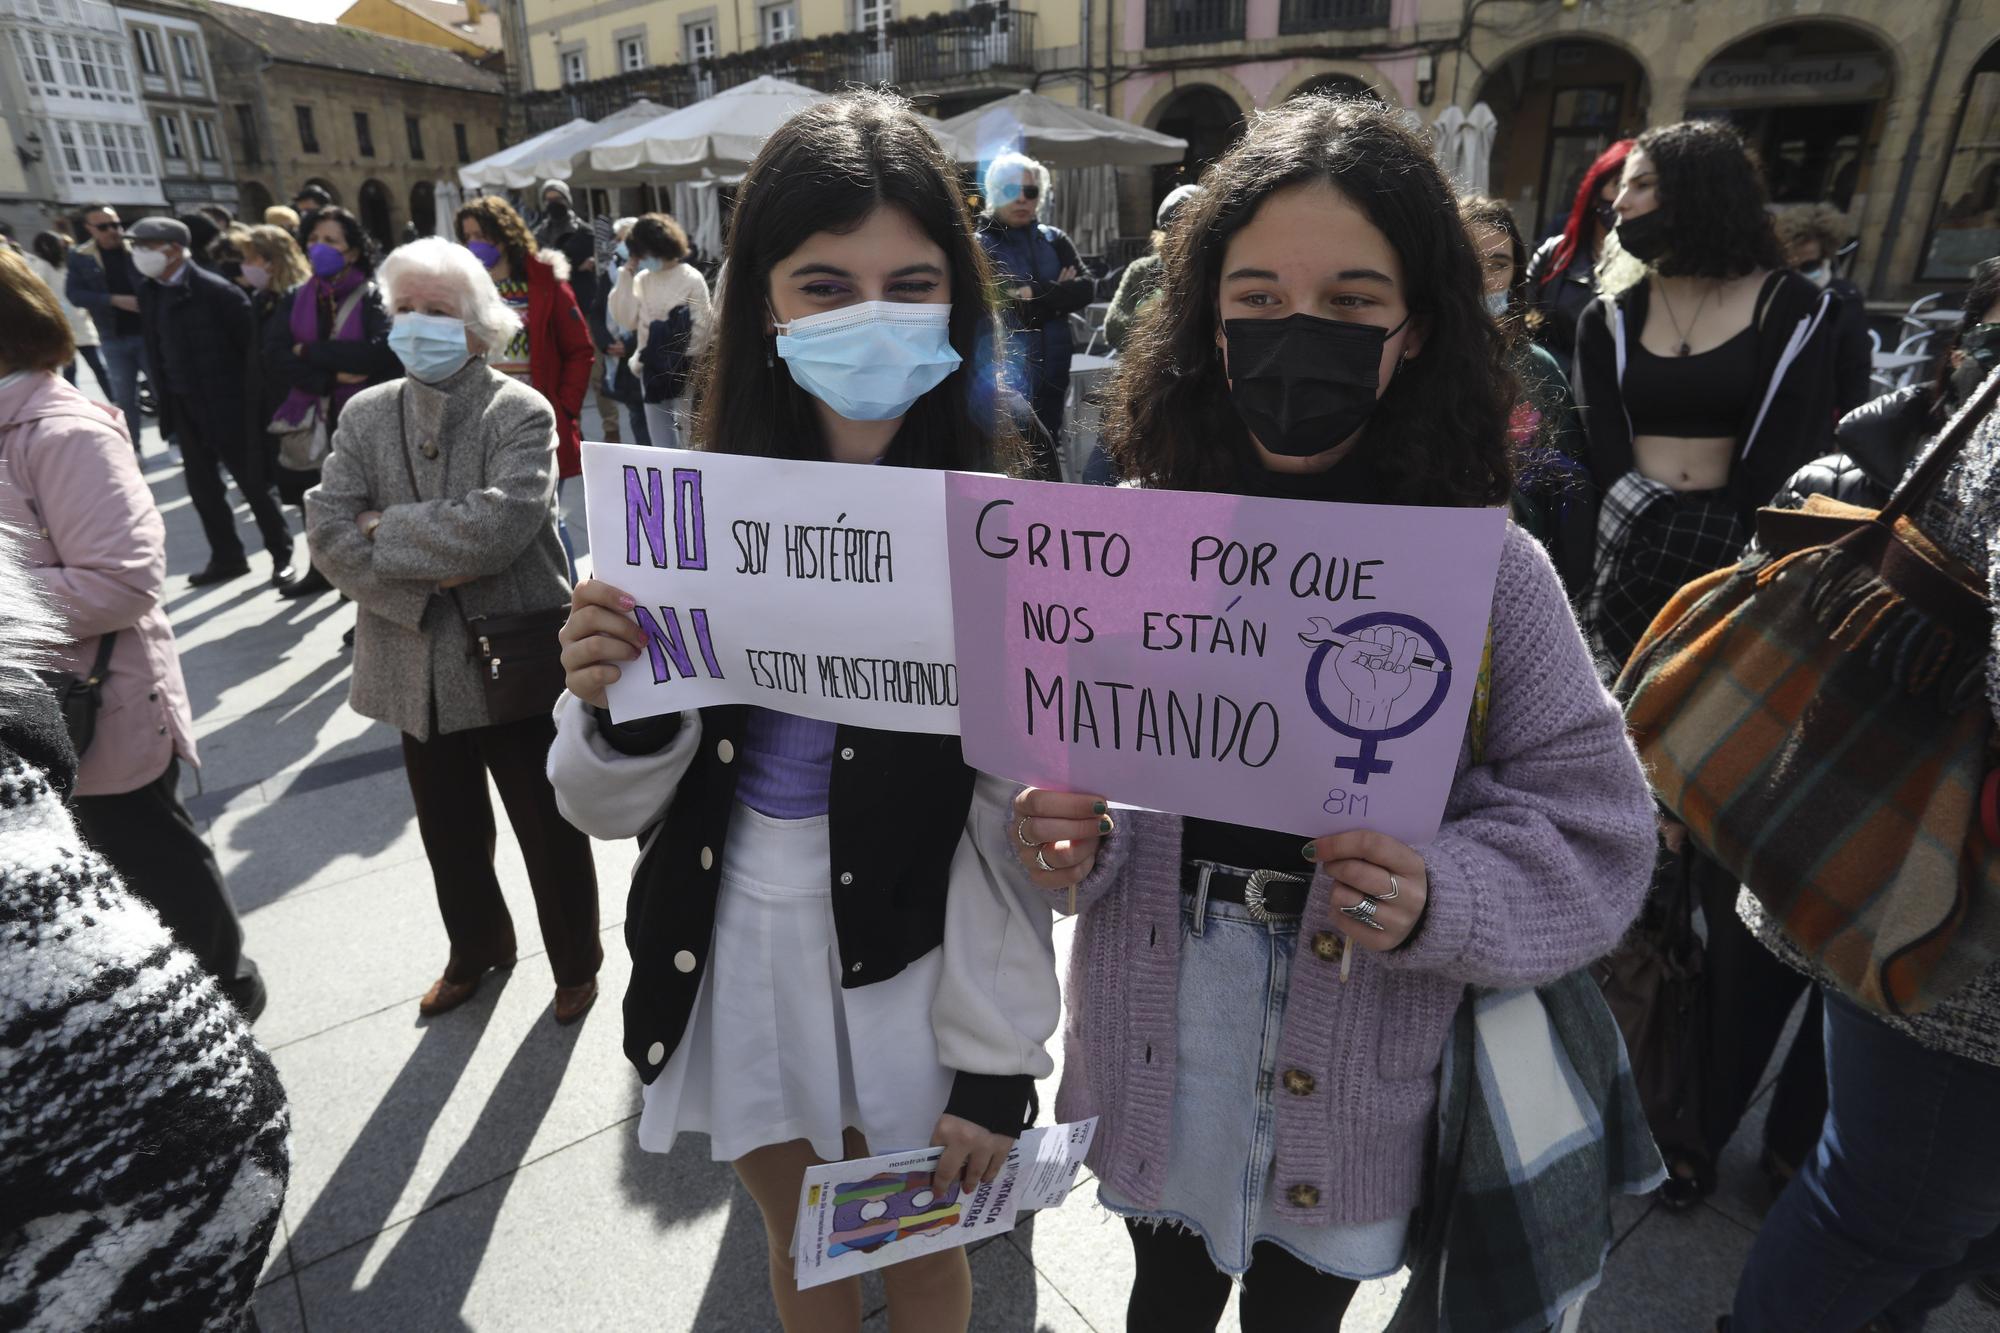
1374 668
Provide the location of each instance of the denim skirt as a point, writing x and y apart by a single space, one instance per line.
1220 1182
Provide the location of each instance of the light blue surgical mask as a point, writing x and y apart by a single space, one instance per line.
1496 303
622 253
431 347
870 362
649 264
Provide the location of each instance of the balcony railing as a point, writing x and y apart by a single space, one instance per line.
956 47
1329 15
1193 22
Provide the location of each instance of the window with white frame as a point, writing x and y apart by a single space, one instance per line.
698 40
632 53
148 44
574 70
66 60
204 140
168 129
779 23
114 60
72 159
187 59
873 15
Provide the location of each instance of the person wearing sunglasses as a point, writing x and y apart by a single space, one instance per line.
99 277
1044 281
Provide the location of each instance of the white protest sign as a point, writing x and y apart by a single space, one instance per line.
819 589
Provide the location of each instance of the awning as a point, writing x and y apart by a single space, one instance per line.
1058 136
485 174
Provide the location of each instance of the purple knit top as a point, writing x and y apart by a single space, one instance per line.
787 765
1543 860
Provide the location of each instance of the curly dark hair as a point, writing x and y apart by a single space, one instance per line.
827 169
1439 434
358 241
501 226
1711 189
657 236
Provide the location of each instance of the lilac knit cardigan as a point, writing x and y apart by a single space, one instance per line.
1542 863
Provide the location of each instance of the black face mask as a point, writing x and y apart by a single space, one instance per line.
1303 384
1644 237
1607 216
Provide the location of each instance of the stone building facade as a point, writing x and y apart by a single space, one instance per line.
1891 111
375 121
169 54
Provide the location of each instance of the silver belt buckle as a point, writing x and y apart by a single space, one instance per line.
1253 892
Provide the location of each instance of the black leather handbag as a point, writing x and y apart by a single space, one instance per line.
80 699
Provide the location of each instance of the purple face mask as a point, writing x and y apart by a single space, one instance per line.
326 261
487 253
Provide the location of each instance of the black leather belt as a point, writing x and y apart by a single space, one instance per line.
1263 893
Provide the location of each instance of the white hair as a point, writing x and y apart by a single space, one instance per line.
487 317
31 634
1011 167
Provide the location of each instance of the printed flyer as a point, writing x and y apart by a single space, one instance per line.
876 1211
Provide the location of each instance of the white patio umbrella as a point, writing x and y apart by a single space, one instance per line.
1475 149
568 155
485 173
1058 136
717 135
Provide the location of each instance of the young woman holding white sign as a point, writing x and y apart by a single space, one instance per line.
826 961
1265 1097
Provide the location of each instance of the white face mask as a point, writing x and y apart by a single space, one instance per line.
149 261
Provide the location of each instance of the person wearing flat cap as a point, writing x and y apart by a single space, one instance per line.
198 329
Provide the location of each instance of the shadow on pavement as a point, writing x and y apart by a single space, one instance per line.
427 1275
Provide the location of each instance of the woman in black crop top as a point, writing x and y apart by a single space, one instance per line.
1703 386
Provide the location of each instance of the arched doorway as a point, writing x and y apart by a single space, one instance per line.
1810 98
423 208
1965 222
375 216
252 198
1336 85
1208 119
1559 104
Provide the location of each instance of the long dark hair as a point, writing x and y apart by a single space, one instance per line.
1439 434
1711 188
358 240
501 226
1583 209
827 169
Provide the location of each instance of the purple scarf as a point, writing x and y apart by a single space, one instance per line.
315 299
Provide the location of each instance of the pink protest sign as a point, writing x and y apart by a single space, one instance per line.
1297 666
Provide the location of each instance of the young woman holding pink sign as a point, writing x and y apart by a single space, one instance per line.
1265 1098
829 957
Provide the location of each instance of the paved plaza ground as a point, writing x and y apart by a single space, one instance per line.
481 1171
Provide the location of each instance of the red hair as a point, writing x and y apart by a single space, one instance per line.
1610 162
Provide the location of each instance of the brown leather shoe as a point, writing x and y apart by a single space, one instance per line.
572 1002
446 994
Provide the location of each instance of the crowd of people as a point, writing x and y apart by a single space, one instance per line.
1260 1027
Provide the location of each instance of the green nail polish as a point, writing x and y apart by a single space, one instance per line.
1310 851
1104 826
1097 808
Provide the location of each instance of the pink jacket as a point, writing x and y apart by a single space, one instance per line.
70 487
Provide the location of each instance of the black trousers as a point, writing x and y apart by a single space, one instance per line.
1750 995
455 818
202 461
1178 1290
150 840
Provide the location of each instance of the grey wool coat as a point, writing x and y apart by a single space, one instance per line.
482 447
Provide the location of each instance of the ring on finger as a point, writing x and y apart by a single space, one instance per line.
1395 892
1364 912
1042 859
1021 833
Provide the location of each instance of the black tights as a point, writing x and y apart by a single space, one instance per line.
1178 1290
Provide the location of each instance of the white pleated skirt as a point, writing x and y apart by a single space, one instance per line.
775 1048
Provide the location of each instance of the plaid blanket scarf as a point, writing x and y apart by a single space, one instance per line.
1539 1125
1651 541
